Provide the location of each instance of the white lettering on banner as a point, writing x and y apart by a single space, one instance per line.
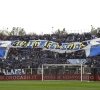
98 76
18 77
71 77
25 77
91 77
8 78
78 77
1 77
34 77
49 77
65 77
85 77
28 77
14 77
58 77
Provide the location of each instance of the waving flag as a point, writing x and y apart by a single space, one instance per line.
91 47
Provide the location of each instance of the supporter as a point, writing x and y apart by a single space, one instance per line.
73 37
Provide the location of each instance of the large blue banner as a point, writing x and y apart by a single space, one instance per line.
49 45
91 47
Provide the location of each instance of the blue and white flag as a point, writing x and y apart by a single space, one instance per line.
4 47
91 47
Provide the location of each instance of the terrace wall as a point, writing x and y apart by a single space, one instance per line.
90 77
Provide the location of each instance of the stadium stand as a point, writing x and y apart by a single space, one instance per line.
19 58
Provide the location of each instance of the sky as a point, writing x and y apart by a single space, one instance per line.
40 16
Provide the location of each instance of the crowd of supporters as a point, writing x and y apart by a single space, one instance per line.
73 37
34 57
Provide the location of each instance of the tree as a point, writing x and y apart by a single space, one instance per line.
22 32
13 31
98 30
4 32
61 32
95 30
18 31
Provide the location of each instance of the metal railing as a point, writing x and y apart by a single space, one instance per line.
51 70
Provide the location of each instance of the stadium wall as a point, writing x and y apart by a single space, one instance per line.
90 77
